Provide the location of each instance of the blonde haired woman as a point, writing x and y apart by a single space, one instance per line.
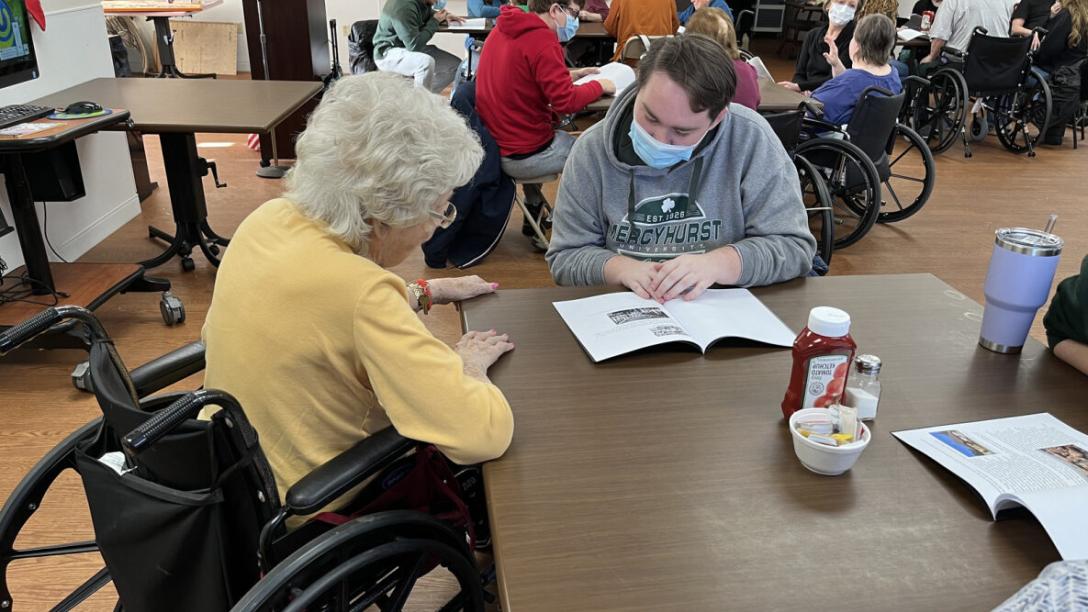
309 328
716 24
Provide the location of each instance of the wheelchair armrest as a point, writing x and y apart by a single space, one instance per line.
164 371
346 470
953 52
917 79
819 125
813 107
1041 31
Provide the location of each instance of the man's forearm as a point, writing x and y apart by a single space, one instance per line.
1074 353
935 48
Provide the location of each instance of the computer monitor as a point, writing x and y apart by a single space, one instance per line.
17 61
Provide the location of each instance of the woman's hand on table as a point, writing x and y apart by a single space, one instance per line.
790 85
480 350
459 289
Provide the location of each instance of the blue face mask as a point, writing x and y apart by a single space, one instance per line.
657 154
568 31
441 4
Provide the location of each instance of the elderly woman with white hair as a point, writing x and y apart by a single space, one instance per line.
309 329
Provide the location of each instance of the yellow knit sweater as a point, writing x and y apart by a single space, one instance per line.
321 348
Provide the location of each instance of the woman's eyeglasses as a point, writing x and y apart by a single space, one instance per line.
446 217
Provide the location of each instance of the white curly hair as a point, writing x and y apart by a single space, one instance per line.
378 149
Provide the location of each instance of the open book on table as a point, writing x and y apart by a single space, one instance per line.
620 74
477 23
1033 461
617 323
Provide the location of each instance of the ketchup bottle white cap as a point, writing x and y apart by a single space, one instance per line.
829 322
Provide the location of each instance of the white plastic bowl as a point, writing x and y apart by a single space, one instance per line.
821 458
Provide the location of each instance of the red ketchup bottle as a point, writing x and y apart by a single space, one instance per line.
822 355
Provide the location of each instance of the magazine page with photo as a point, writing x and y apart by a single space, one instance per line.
618 323
1033 461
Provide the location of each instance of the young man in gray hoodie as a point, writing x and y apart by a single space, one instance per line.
676 190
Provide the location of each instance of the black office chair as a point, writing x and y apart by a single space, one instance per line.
787 126
361 46
1012 96
187 515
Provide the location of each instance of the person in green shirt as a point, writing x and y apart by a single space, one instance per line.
1067 320
401 42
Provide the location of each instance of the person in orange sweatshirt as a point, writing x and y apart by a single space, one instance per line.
629 18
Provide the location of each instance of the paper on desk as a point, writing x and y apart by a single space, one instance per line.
23 129
761 69
621 75
907 34
478 23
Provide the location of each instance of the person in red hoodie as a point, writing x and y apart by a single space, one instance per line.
523 82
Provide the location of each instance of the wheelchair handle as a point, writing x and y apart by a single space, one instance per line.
917 79
26 331
171 417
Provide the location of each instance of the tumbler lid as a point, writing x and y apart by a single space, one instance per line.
1027 241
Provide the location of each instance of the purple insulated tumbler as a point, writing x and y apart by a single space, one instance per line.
1021 272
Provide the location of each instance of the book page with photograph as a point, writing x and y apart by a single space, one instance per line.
616 323
730 313
1034 461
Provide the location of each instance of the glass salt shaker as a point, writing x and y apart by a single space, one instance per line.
863 388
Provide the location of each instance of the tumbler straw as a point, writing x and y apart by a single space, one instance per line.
1050 223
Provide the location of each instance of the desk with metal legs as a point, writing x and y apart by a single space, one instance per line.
176 110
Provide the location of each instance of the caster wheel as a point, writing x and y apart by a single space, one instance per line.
188 264
214 249
81 377
173 311
980 127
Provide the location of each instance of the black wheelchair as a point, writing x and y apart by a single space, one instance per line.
875 169
187 515
787 126
995 84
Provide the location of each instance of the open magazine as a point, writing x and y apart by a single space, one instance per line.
1034 461
621 75
617 323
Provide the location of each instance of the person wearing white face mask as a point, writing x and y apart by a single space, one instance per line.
677 189
523 81
812 68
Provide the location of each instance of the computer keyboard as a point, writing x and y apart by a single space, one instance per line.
21 113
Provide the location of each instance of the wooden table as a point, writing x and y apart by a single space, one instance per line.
159 13
176 109
773 99
588 29
39 283
667 480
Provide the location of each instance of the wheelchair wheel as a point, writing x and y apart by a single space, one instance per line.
980 127
374 560
940 110
911 175
852 182
817 200
1021 118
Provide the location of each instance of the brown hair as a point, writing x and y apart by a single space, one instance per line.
716 24
543 6
696 63
875 35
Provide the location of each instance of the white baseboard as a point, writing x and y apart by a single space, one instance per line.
85 239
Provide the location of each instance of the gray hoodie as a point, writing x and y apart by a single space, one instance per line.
739 188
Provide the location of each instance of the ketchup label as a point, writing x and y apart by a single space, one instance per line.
825 380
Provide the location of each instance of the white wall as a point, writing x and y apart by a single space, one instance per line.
74 49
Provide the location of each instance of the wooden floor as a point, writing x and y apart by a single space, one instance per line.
952 238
